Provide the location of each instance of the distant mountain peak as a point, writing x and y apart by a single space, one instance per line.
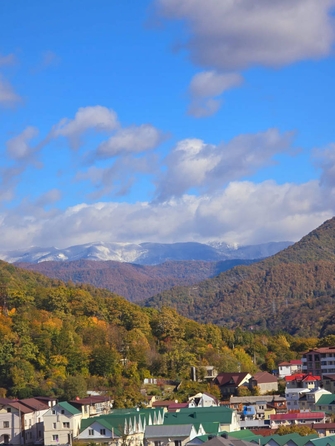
147 253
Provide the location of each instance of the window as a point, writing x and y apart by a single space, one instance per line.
54 425
9 409
6 424
177 443
66 425
158 443
62 412
55 438
102 431
53 412
90 432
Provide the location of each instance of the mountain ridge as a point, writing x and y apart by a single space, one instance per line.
293 290
144 253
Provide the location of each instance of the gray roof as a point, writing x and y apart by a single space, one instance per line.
230 441
256 399
181 430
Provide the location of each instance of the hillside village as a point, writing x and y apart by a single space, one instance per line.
258 417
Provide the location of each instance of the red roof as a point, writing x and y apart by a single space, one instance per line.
297 416
302 377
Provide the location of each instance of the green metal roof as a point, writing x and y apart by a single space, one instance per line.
201 415
324 441
67 406
117 419
326 399
242 434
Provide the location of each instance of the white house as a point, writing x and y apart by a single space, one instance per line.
61 424
21 421
289 368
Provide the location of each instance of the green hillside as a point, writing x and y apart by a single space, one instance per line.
293 290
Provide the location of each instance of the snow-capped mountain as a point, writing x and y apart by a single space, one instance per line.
145 253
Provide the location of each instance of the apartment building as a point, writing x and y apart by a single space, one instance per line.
319 361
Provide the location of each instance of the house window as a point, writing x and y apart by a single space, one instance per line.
102 431
67 425
53 412
177 443
62 412
9 409
6 424
90 432
55 438
158 443
54 425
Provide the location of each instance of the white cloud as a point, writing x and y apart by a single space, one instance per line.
243 213
325 159
129 140
211 83
194 164
8 97
230 34
117 179
97 118
205 86
18 147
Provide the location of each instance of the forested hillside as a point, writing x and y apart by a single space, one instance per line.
134 282
293 290
59 340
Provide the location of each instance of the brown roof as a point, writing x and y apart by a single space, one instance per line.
330 376
35 404
264 377
163 403
224 379
21 407
94 399
264 432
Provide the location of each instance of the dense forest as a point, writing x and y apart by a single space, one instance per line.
60 339
134 282
293 291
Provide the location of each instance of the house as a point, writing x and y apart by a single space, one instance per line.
328 382
35 420
203 400
296 418
261 403
21 421
213 419
225 440
323 429
178 435
319 361
297 385
163 404
308 400
203 373
323 441
92 405
61 424
264 381
326 403
289 368
229 383
120 425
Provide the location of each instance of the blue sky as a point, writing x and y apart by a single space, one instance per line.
165 120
